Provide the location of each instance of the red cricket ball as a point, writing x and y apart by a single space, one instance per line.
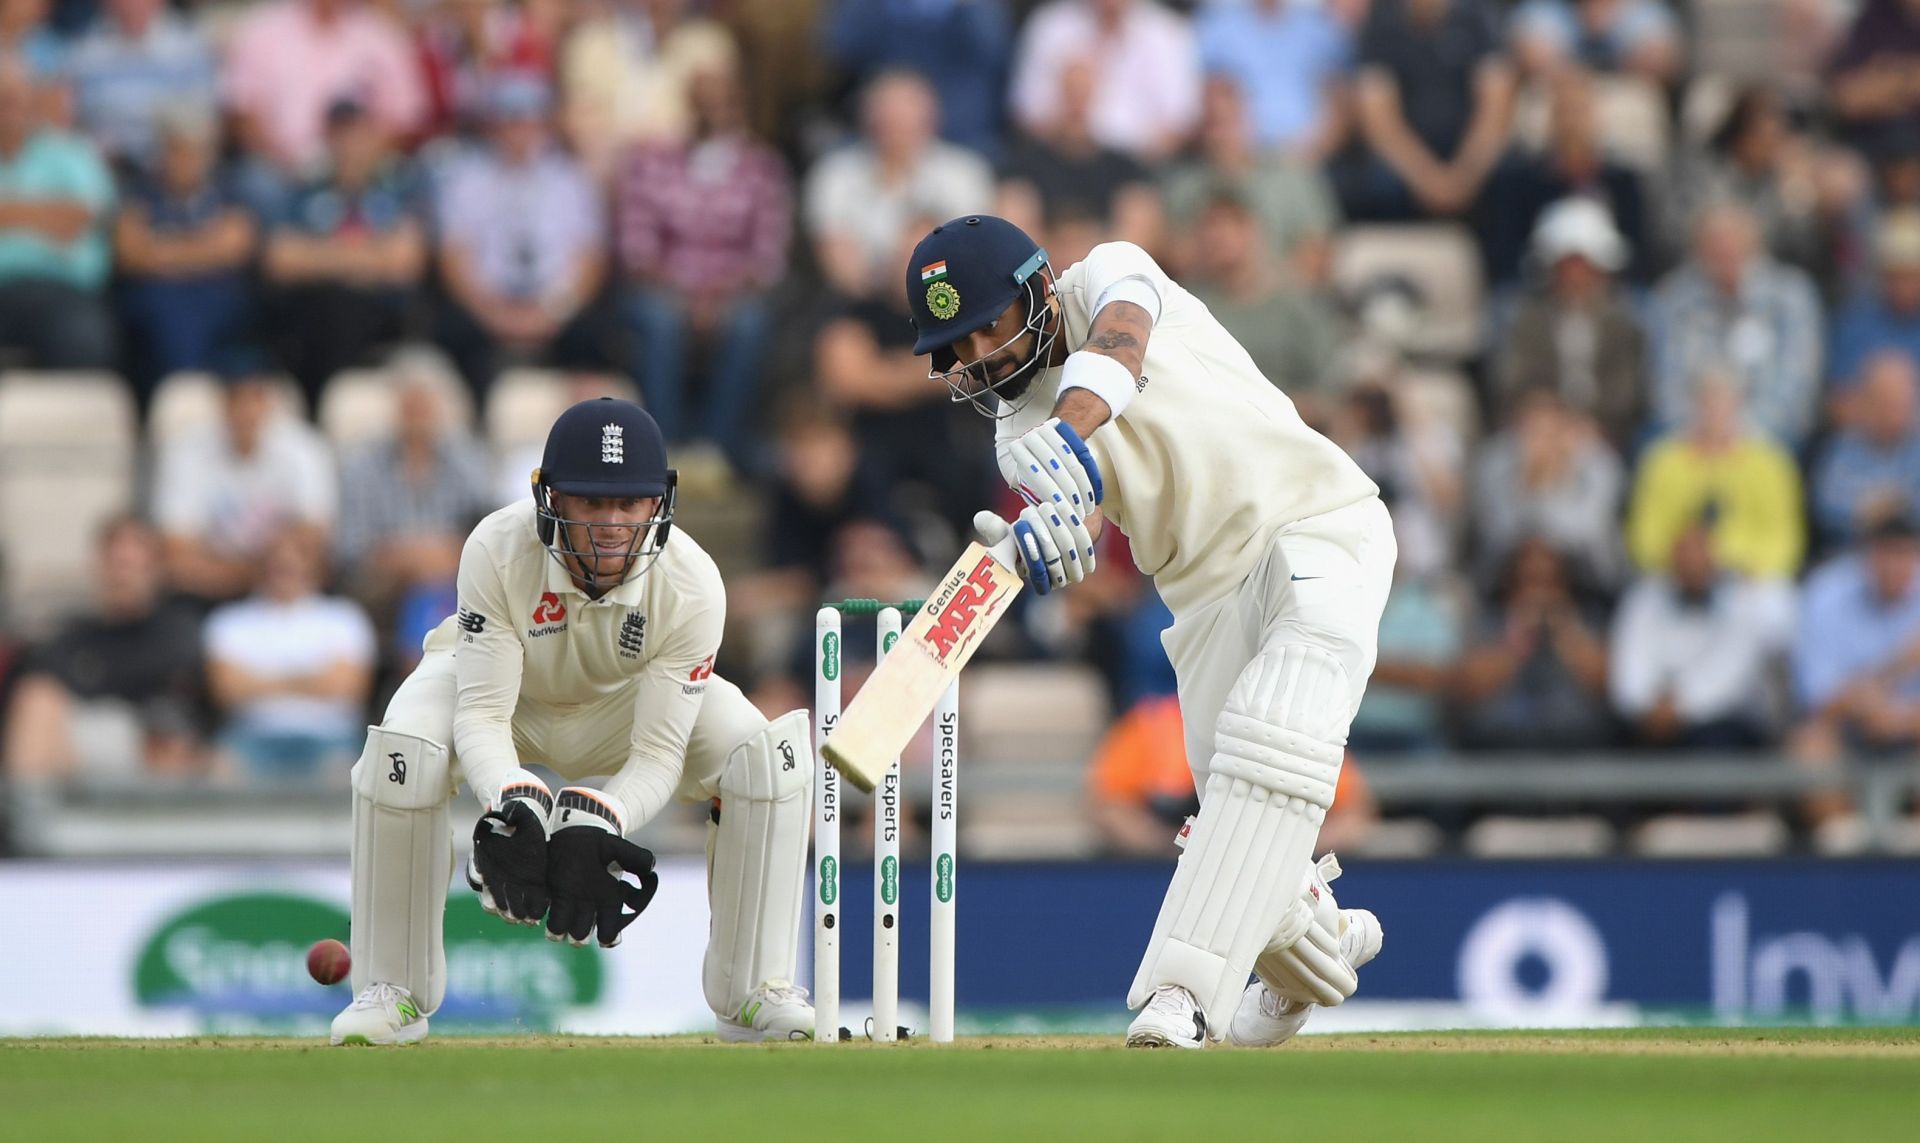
328 961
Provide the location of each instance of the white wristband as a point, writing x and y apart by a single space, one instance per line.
1102 376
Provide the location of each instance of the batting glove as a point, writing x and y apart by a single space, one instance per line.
1054 472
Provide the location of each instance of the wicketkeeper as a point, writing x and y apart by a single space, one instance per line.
585 640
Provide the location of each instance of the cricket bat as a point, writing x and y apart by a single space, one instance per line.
902 691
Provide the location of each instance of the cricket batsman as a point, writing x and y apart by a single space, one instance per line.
1118 398
584 640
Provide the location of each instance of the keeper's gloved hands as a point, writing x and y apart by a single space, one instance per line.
585 858
509 865
1055 473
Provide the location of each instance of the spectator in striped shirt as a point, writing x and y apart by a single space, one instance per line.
407 502
1733 304
703 225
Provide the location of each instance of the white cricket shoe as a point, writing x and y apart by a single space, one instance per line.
381 1014
1266 1019
776 1011
1171 1018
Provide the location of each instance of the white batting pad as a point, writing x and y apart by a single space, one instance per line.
402 861
758 863
1277 751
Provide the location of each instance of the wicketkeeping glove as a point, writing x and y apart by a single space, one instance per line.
585 858
509 866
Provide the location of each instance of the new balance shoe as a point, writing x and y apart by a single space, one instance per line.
776 1011
381 1014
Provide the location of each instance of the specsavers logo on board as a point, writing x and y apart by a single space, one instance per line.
239 961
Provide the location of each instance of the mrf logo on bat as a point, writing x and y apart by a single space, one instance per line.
959 615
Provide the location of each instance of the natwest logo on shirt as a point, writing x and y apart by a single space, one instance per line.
549 616
703 672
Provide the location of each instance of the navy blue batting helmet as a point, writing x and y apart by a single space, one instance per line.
605 447
964 273
609 450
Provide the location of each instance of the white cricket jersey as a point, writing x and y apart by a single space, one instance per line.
1211 459
525 636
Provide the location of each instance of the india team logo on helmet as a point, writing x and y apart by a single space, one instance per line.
943 300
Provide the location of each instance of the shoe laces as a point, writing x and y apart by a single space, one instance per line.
379 995
782 990
1273 1005
1175 997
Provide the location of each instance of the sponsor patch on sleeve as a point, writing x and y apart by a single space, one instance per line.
471 622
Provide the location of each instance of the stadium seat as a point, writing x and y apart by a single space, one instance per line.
1027 827
1043 716
360 405
1758 834
521 406
1439 260
185 402
1571 836
1630 115
1738 39
67 451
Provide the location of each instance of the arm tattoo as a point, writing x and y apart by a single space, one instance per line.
1120 331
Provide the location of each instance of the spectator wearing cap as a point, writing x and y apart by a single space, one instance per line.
1434 101
962 46
346 254
1575 332
1616 37
1886 318
1574 163
185 244
137 61
290 669
1146 77
1856 657
1871 469
1732 309
1718 464
1693 648
857 199
222 491
523 234
290 62
704 225
1291 57
54 258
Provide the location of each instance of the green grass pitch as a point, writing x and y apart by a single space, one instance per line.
1623 1087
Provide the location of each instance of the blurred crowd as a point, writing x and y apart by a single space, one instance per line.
1617 300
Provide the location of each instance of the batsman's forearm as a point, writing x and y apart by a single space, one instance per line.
1084 410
